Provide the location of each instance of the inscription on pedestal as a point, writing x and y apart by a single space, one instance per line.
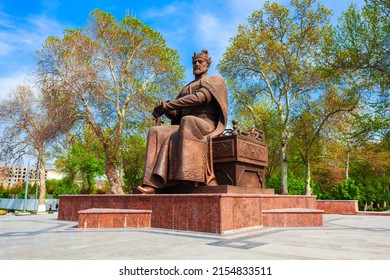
252 151
223 149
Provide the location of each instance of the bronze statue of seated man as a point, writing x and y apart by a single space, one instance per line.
181 153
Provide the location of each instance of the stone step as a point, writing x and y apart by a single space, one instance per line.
114 218
292 217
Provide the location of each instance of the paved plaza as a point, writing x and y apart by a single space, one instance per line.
343 237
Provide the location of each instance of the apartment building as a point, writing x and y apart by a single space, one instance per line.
10 176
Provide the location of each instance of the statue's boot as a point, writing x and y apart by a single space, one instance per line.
146 190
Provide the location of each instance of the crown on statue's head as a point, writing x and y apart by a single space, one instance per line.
204 54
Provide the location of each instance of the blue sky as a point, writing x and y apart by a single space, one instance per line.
187 26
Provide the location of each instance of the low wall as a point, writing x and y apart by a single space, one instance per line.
31 204
349 207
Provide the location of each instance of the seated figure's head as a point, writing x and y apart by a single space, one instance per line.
201 62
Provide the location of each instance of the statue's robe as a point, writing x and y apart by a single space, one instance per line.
182 151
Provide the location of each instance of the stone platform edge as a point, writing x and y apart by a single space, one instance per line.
347 207
214 213
114 218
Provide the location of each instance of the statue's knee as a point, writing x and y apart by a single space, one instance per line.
186 120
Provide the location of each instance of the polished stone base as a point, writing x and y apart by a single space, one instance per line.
214 213
293 217
347 207
114 218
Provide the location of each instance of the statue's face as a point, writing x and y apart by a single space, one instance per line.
199 66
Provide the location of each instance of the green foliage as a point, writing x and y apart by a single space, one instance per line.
32 188
62 186
84 157
361 49
296 186
6 194
17 188
133 158
63 190
274 183
320 192
346 190
363 43
21 195
51 185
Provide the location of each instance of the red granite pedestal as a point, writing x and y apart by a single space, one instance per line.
214 213
292 217
348 207
114 218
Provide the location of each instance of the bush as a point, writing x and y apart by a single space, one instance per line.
346 190
17 188
274 183
21 195
295 186
6 194
62 190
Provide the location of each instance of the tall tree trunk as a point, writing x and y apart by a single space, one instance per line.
89 184
115 185
42 181
307 174
347 167
283 164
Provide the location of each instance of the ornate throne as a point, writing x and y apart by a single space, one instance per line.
240 158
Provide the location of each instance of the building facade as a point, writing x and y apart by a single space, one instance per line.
10 176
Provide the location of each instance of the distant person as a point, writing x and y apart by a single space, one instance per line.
50 207
57 207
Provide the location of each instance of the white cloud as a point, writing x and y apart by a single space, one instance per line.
166 11
5 48
19 39
5 20
9 83
215 27
174 10
45 26
213 33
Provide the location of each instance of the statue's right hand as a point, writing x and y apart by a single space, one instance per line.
159 109
156 114
161 103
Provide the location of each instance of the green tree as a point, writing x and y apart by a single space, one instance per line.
62 186
113 72
30 124
64 160
362 48
363 41
314 115
85 156
275 56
